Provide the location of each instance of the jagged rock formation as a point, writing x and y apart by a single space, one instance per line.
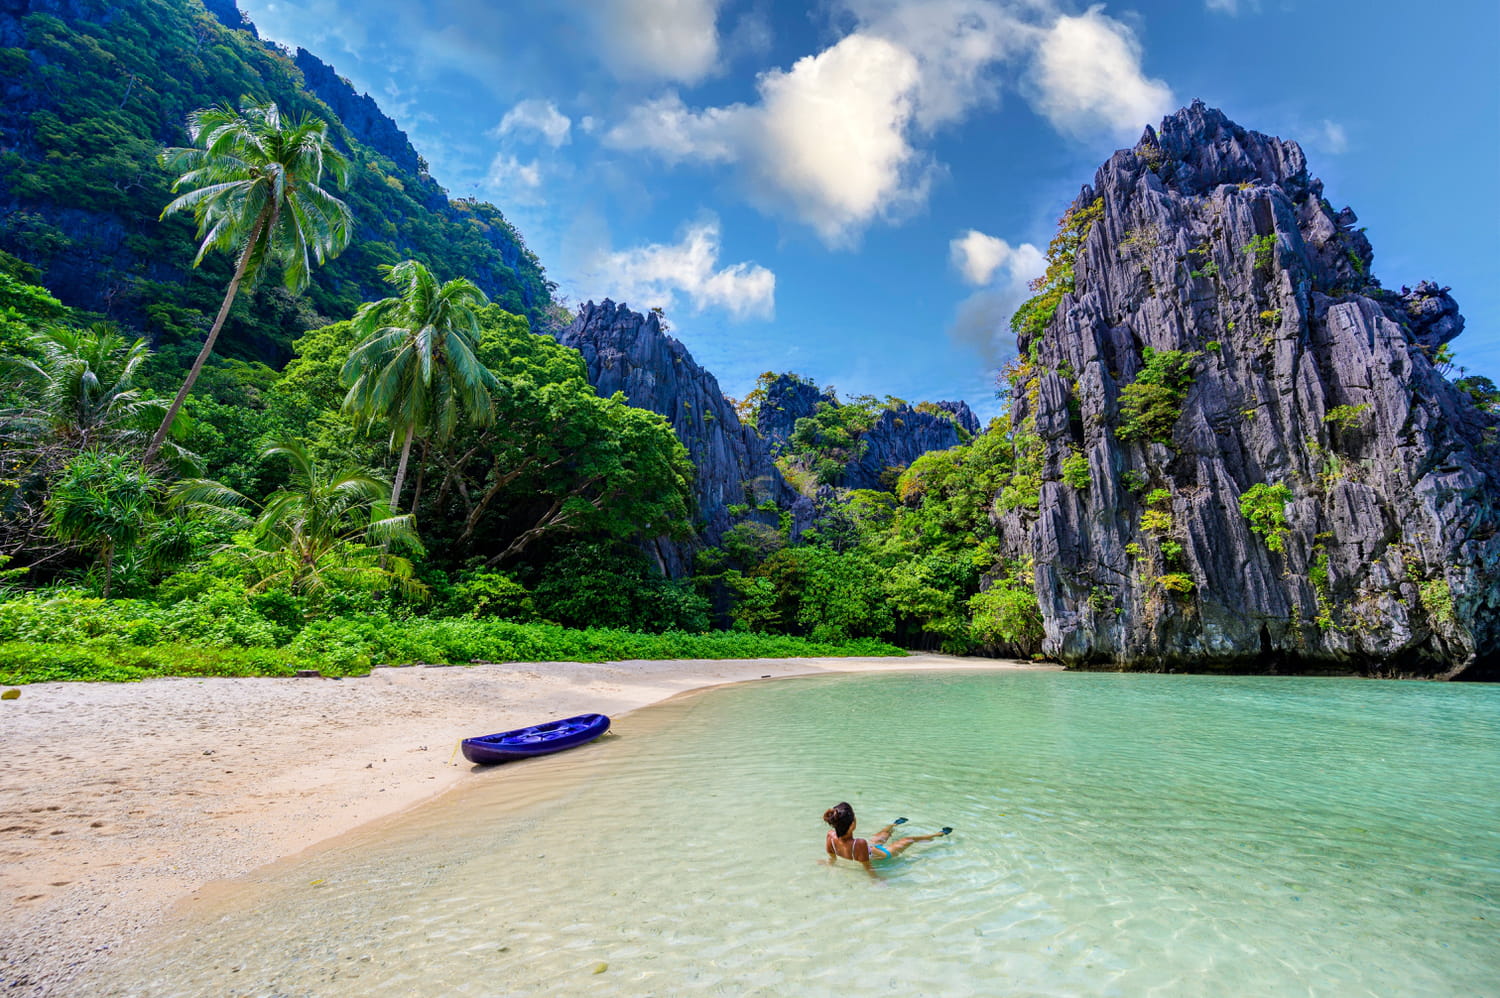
1214 240
363 118
900 434
628 352
788 399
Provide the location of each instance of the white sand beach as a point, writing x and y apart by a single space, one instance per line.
120 800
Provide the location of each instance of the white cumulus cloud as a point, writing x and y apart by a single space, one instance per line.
1088 78
826 142
655 274
539 117
957 45
978 255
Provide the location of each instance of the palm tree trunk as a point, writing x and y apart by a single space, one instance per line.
401 470
208 348
416 496
109 564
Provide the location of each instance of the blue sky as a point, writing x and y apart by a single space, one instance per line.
856 189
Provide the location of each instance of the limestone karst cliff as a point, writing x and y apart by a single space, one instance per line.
627 352
1278 473
899 434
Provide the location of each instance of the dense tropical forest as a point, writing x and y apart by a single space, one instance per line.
424 478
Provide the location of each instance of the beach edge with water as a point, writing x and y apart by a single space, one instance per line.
123 800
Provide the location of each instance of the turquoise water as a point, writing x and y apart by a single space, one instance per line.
1116 835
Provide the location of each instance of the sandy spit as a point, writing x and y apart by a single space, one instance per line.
119 800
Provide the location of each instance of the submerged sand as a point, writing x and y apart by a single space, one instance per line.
119 800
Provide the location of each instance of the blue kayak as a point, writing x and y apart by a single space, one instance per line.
523 743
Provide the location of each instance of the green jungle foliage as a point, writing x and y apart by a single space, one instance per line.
904 566
1151 404
68 636
96 90
828 440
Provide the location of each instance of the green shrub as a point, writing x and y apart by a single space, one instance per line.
1265 507
1347 417
1437 600
1156 521
1075 470
1175 582
1263 248
1151 404
606 585
1035 313
1007 613
490 594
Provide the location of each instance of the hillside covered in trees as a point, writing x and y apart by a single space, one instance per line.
1224 446
93 91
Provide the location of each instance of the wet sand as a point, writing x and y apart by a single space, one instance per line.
119 800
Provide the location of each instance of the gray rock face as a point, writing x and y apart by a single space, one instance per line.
1214 240
359 113
898 436
628 352
901 435
788 399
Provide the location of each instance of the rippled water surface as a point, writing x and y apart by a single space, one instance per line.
1115 835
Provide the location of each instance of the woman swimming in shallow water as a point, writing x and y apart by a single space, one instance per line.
842 844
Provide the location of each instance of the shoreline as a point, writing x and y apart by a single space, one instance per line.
123 799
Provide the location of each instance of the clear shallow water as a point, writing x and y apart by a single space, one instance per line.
1116 835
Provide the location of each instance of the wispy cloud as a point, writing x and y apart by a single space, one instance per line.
675 40
657 273
982 321
537 117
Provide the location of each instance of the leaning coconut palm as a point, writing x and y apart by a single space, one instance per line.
322 532
253 190
81 391
415 367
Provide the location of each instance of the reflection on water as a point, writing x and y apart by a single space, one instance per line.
1115 835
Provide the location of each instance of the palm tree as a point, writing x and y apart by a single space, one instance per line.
253 189
77 394
82 391
319 532
416 366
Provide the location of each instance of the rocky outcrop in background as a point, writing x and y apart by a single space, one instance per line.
627 352
1305 373
788 399
900 434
